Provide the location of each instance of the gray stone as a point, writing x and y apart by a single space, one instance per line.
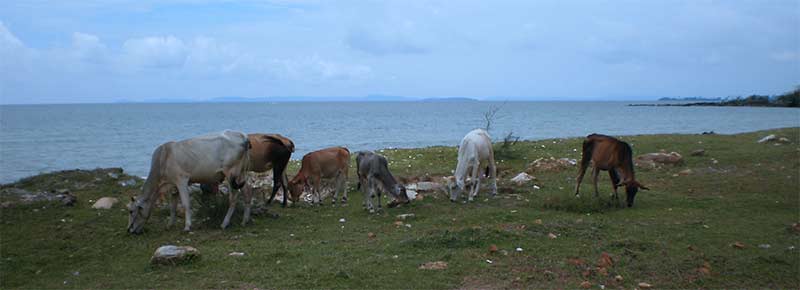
768 138
428 186
698 152
105 203
174 255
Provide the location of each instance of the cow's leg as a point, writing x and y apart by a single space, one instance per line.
371 194
595 174
343 187
247 192
335 194
173 207
284 182
493 178
316 188
183 192
231 207
476 182
612 173
581 172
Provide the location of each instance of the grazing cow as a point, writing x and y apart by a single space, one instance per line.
373 172
475 157
207 159
271 151
329 163
608 153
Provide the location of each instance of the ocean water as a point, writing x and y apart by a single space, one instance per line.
43 138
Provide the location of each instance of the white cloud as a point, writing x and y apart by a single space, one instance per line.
154 52
7 39
87 47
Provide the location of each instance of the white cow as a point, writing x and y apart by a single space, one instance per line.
208 160
475 157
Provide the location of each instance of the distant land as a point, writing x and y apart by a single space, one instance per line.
789 99
371 98
690 99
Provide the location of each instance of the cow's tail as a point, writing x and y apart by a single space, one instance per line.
586 156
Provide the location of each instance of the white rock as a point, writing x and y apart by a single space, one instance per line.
342 220
172 255
522 178
105 203
236 254
411 194
768 138
406 216
428 186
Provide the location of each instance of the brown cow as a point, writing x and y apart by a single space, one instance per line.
268 151
271 151
329 163
615 156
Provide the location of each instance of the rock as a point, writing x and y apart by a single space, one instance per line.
652 159
411 194
371 235
342 220
235 254
113 175
551 164
522 178
764 246
419 197
784 140
552 236
768 138
618 278
518 249
174 255
685 172
398 224
738 245
438 265
586 285
538 221
67 199
698 152
493 248
428 186
406 216
644 285
105 203
129 182
605 261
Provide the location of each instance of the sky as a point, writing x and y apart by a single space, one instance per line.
143 50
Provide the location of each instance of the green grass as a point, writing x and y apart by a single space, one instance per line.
750 195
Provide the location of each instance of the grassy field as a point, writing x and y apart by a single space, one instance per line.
678 235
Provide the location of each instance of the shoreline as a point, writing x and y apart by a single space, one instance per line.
296 158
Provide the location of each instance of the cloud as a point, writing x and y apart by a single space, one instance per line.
88 47
154 52
7 39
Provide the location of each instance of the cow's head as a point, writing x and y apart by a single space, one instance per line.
139 212
631 188
400 195
296 187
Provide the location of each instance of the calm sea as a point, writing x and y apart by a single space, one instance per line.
43 138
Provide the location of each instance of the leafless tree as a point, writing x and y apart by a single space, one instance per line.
491 115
